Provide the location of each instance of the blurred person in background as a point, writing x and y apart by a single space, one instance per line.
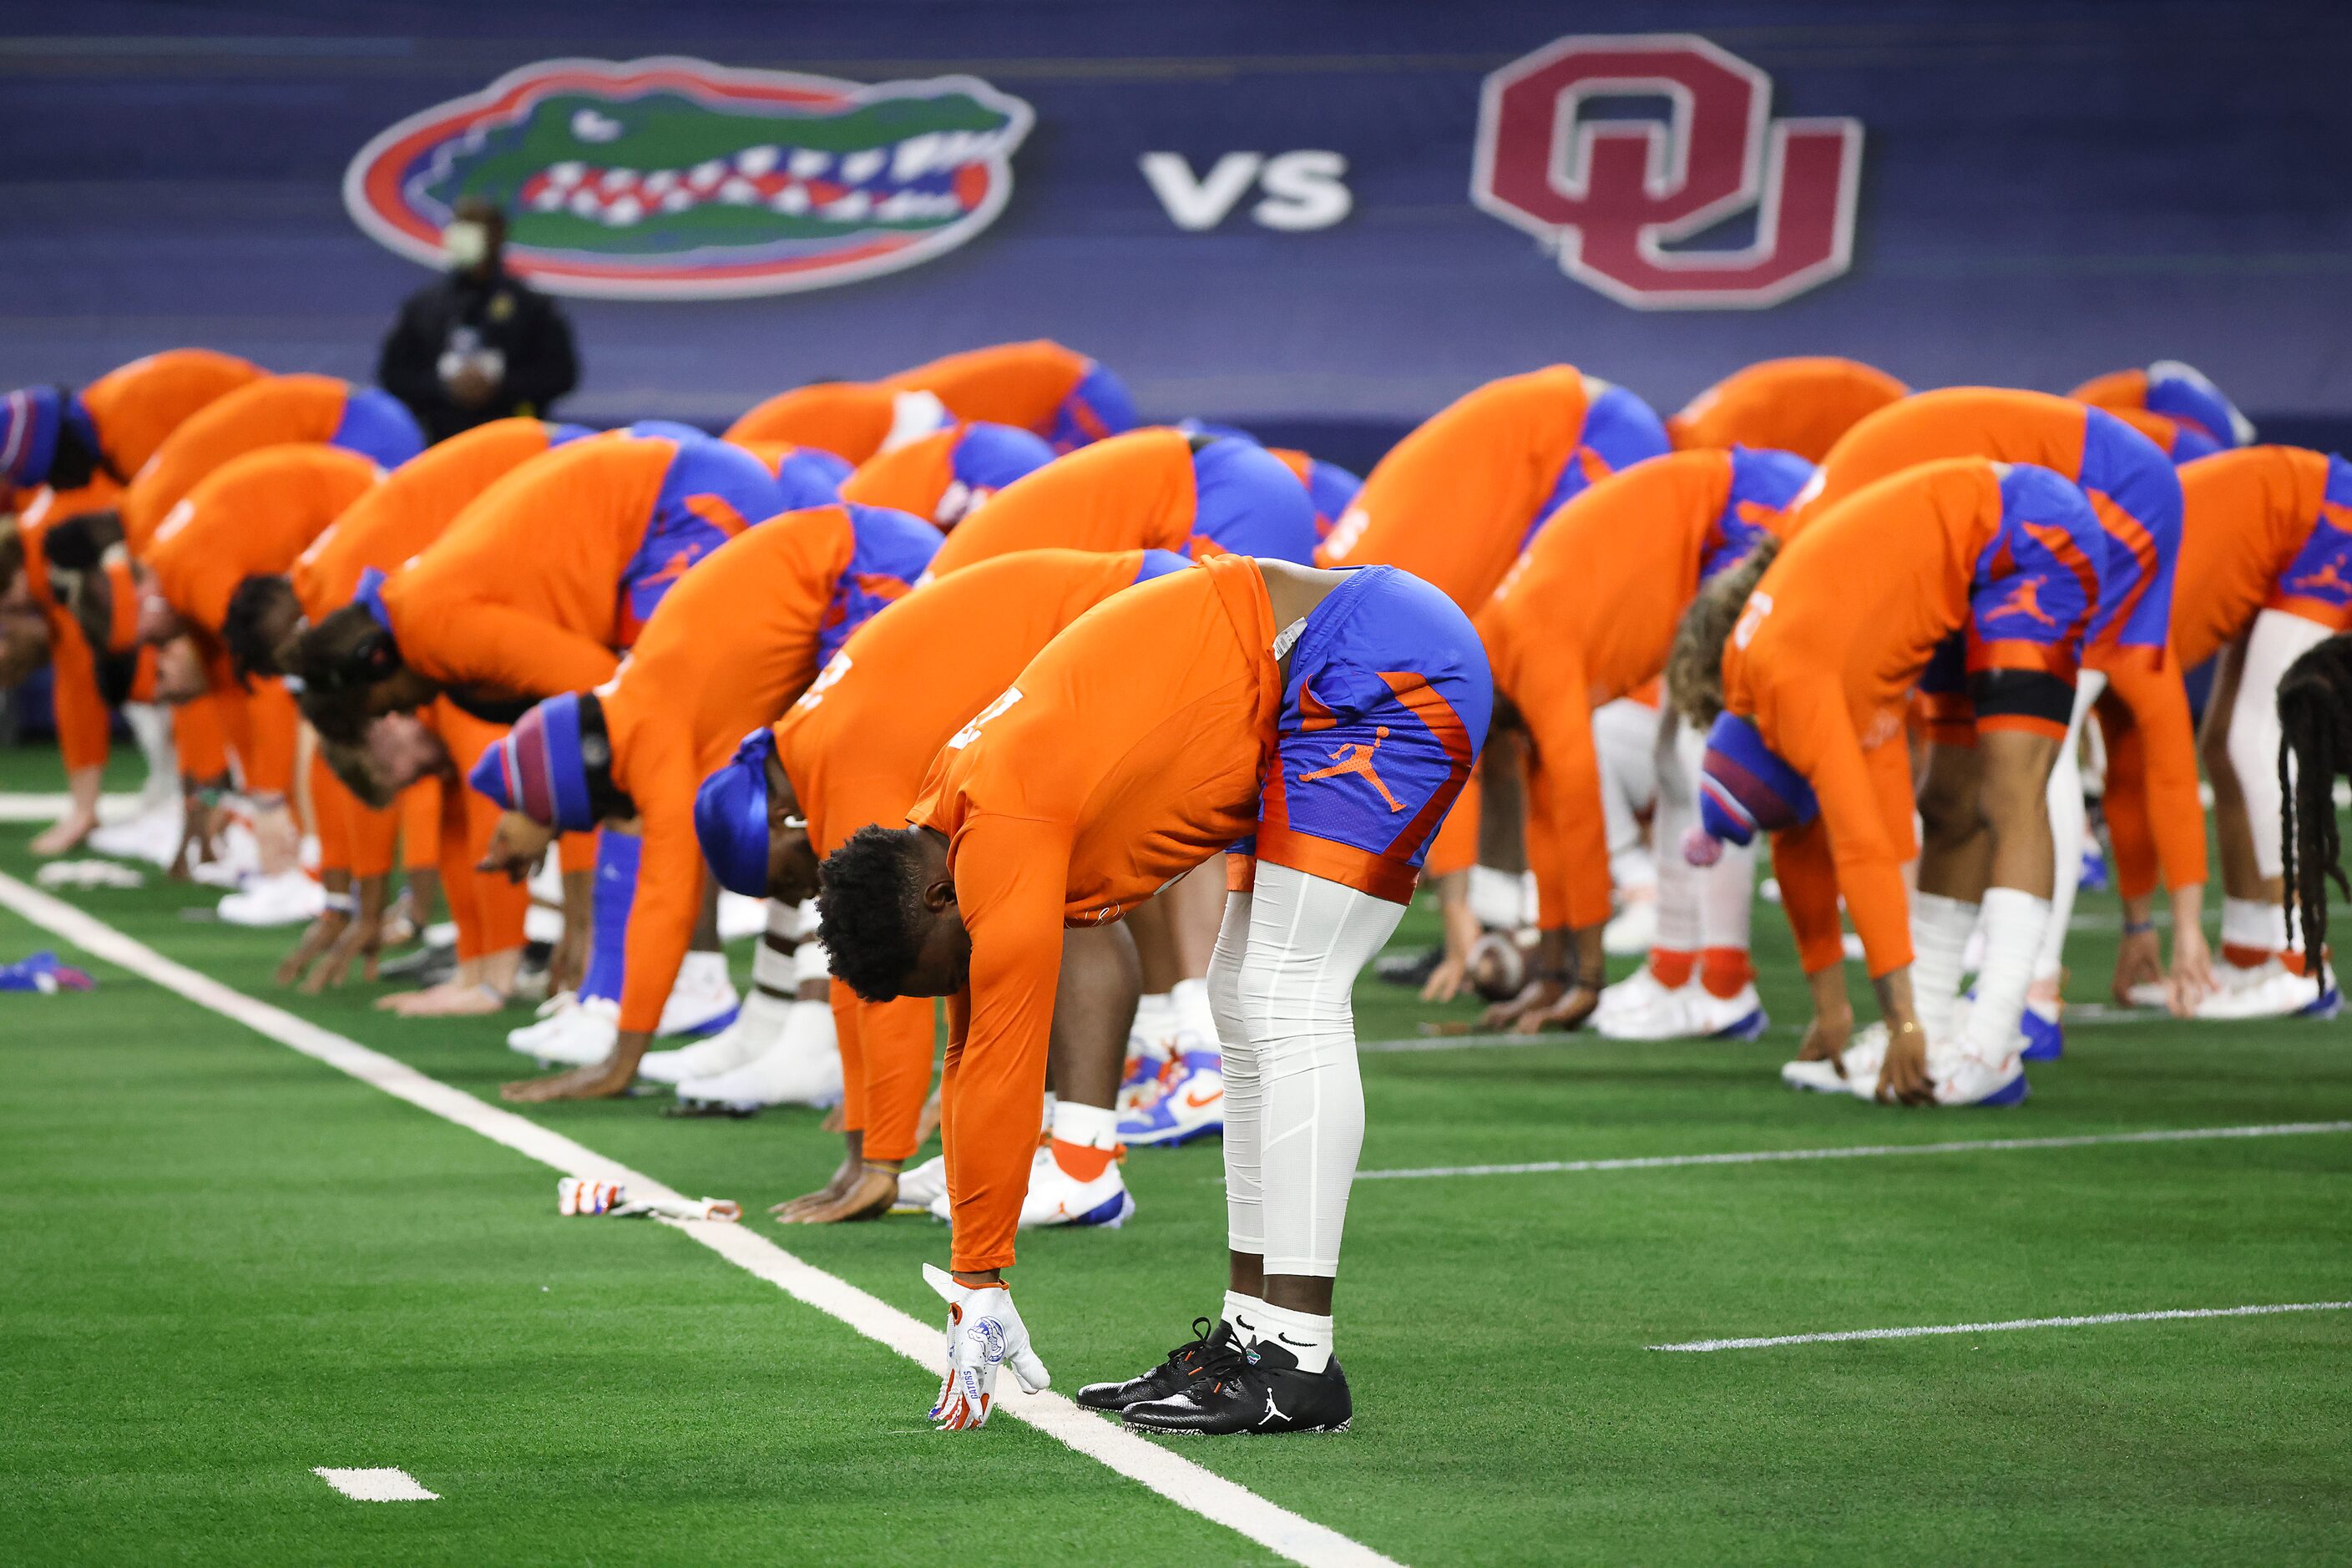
477 344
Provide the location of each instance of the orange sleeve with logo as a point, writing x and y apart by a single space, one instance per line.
253 515
518 596
848 418
271 412
1451 502
137 406
1799 405
1133 491
1022 384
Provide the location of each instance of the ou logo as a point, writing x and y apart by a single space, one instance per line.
1612 194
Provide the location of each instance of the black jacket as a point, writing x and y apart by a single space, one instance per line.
502 313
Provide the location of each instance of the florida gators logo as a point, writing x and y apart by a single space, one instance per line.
677 179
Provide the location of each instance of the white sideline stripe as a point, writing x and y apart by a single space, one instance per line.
376 1486
1770 1341
17 806
1864 1151
1178 1480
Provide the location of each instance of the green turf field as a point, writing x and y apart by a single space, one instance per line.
225 1264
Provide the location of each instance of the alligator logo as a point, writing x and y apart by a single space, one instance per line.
677 179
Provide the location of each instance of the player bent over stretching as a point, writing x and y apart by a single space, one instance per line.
1325 718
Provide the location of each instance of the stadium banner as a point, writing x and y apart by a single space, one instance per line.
1322 214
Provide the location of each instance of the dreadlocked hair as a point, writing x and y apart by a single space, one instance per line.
2315 708
869 912
245 629
1694 663
11 551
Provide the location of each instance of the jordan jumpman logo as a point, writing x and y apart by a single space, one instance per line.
1357 758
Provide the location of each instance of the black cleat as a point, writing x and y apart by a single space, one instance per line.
1260 1390
1170 1376
1413 967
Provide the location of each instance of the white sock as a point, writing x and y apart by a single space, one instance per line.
1307 1335
2013 922
1087 1126
1155 1016
1939 935
2253 922
1194 1018
774 968
1245 1315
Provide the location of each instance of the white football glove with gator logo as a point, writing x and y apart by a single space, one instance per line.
984 1333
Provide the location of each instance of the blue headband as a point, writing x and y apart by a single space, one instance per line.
730 816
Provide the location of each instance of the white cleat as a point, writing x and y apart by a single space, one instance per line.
287 898
756 1028
2268 990
921 1187
739 917
1961 1077
152 835
577 1037
1056 1197
548 1012
803 1068
1188 1101
2149 993
1693 1012
1638 993
1862 1061
702 998
1814 1077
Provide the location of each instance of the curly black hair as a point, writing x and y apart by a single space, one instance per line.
337 660
259 604
2315 708
869 912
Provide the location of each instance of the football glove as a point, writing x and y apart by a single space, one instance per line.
984 1333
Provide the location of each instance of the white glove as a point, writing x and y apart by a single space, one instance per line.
984 1331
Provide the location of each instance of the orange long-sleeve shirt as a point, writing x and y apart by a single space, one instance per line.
1799 405
274 411
2051 432
1823 661
519 595
415 502
134 407
1127 753
1130 492
254 514
1022 384
732 644
850 419
1452 501
2246 514
1586 616
859 744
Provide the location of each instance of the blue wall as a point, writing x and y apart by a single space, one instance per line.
2048 190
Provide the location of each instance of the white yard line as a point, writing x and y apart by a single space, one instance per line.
376 1486
1769 1341
1863 1151
46 808
1178 1480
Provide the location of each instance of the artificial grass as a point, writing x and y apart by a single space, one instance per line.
231 1264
